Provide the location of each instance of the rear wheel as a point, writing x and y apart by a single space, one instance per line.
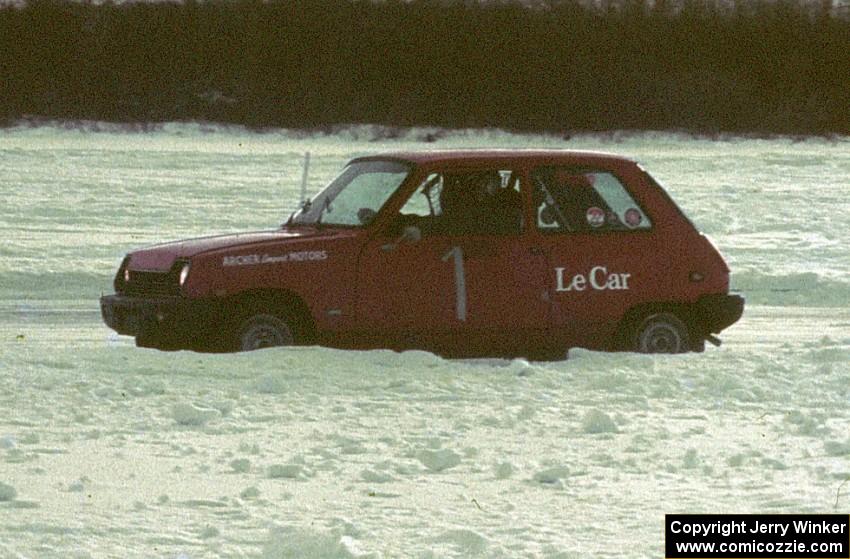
264 330
662 333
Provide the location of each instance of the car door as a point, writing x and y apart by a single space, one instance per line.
603 255
467 280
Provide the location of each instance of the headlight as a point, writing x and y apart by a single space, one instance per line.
184 274
122 277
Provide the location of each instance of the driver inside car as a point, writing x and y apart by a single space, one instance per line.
477 204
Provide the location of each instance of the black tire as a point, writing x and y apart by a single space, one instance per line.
662 333
264 330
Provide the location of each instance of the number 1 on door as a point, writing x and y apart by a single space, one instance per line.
460 281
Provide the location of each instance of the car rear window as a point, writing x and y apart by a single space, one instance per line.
584 200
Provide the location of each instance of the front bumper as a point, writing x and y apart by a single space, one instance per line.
719 311
168 321
132 316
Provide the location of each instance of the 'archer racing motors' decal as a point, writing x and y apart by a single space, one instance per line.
258 259
598 279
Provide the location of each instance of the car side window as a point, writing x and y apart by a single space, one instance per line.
458 203
425 201
584 200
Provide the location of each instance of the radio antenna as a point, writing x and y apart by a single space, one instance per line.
304 173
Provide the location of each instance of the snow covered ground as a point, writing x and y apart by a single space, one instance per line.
107 450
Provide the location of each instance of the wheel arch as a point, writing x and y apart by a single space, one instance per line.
281 302
685 312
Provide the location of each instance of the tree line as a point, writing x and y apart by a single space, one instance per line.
761 66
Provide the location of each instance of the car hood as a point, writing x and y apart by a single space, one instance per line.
162 256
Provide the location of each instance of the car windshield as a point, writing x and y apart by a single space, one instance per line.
354 198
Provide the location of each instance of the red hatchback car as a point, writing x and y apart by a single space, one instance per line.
464 253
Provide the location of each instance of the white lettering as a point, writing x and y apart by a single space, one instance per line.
599 277
770 528
559 278
722 528
460 281
594 278
308 255
809 527
578 283
275 259
241 260
254 259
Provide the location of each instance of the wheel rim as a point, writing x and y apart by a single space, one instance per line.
260 337
661 337
265 333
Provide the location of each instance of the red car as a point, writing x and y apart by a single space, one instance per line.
464 253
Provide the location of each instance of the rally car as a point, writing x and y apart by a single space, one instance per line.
463 253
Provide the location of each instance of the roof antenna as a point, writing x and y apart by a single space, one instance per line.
304 178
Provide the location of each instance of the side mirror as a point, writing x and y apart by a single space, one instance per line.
410 234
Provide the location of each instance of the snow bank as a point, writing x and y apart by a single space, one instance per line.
288 542
807 289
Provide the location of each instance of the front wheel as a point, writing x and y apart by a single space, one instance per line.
264 330
662 333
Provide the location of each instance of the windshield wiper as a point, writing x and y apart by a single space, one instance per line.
305 207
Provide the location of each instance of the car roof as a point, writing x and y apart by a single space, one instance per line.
463 157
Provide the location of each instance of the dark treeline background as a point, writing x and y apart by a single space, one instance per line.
778 66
